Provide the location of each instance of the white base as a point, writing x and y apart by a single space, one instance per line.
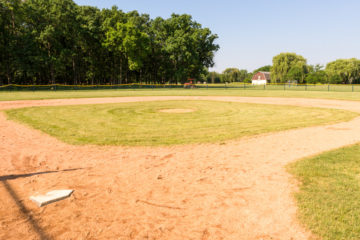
51 197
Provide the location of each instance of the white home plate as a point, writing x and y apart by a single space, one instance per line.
51 197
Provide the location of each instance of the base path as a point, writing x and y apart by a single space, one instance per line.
236 190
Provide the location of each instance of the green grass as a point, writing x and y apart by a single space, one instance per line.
143 124
28 95
329 197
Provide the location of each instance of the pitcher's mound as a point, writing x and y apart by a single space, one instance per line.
177 110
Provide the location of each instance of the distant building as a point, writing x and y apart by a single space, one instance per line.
261 78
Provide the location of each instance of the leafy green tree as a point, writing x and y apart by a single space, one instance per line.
231 75
288 66
57 41
297 73
335 79
234 75
317 77
54 28
10 21
214 77
348 70
189 47
243 74
266 68
90 53
315 68
129 43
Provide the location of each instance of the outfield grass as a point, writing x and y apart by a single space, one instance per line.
329 197
143 124
28 95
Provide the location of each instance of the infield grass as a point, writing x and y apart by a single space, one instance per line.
143 123
28 95
329 196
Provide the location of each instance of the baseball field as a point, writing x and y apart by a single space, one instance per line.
180 164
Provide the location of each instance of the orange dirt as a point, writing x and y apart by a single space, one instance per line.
236 190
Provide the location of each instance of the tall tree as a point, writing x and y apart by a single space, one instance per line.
348 70
92 55
288 66
57 41
54 27
10 21
316 74
231 75
189 47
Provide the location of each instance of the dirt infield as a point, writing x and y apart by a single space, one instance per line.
236 190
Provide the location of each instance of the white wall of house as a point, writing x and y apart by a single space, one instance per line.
258 82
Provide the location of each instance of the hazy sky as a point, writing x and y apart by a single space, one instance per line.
251 32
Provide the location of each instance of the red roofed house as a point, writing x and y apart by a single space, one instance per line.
261 78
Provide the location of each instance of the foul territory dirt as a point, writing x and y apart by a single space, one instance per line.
233 190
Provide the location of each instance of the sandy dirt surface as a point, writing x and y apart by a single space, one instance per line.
234 190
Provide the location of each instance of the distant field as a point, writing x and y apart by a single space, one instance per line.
329 193
144 124
29 95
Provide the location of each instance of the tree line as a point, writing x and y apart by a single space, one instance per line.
233 75
60 42
291 67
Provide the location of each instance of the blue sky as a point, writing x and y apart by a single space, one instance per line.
251 32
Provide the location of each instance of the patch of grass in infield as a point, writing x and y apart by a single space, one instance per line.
28 95
329 196
141 123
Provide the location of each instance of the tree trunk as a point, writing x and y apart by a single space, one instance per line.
121 71
74 71
52 74
8 78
